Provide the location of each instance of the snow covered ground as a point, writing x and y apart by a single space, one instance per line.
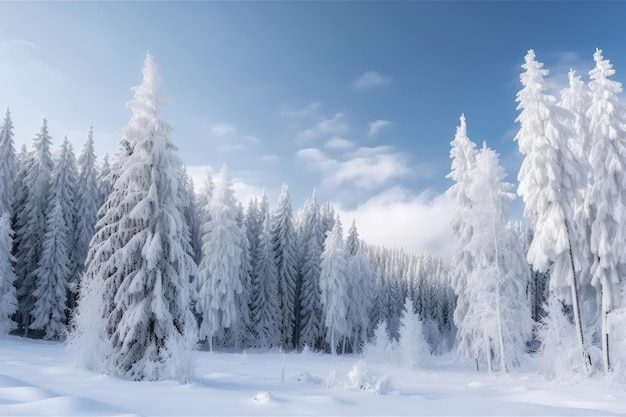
39 378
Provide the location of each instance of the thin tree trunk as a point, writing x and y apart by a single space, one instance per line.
606 309
576 304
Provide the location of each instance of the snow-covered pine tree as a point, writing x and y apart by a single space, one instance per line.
8 301
360 288
192 217
550 180
141 250
607 129
219 270
575 99
243 328
497 324
463 155
334 288
309 312
8 165
285 255
204 197
56 264
105 181
30 226
265 306
412 347
87 200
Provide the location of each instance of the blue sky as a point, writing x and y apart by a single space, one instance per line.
357 99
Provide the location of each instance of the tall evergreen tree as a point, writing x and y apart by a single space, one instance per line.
141 250
244 326
334 288
463 155
30 226
87 200
8 165
218 273
56 265
8 301
309 313
360 288
550 180
497 324
607 127
285 255
105 181
265 306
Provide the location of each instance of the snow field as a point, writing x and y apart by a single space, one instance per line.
38 378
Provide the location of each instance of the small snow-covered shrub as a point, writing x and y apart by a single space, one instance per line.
381 349
560 357
361 378
411 348
304 376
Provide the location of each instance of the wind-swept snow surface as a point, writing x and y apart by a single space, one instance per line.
38 378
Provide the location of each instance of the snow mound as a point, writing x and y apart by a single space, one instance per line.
263 397
18 398
306 377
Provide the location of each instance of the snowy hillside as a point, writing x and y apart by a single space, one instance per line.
39 378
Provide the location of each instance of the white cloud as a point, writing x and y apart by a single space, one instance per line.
365 168
398 218
333 126
226 137
223 129
370 79
339 143
376 126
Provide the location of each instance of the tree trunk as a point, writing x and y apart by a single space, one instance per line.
606 309
576 305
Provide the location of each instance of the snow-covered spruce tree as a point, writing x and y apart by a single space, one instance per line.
575 99
8 301
87 200
309 313
8 165
412 347
550 179
265 306
192 216
607 129
497 324
285 255
381 348
334 288
30 224
218 272
243 332
56 265
141 251
105 181
463 155
360 288
204 197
